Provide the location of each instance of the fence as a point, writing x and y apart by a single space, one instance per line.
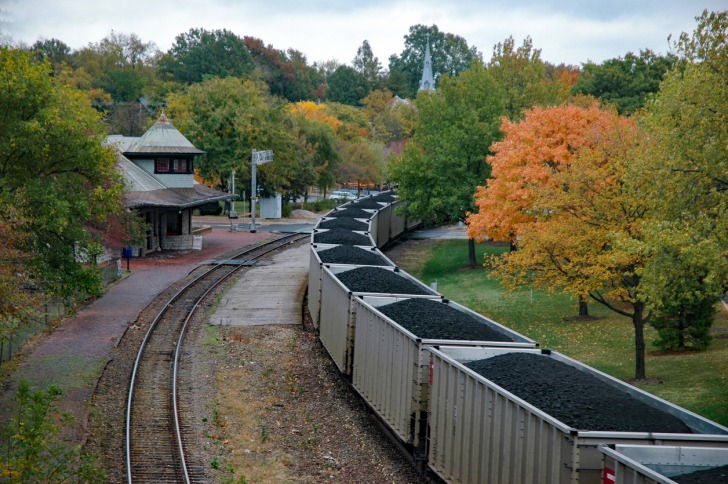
50 311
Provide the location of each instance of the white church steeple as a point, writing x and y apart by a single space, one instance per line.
427 83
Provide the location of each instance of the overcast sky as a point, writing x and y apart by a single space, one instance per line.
568 31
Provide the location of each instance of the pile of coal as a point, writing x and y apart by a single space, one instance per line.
574 397
434 319
345 223
375 279
346 254
341 236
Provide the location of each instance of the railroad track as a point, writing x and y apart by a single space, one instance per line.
155 416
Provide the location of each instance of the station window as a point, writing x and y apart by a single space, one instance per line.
182 166
177 165
161 165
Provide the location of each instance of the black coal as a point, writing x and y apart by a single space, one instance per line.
344 223
350 212
430 319
347 254
574 397
374 279
369 203
341 236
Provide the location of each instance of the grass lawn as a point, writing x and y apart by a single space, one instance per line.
697 381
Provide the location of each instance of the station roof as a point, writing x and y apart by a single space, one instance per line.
161 138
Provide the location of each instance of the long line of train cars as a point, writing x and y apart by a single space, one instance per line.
468 398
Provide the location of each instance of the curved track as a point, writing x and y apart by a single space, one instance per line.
155 420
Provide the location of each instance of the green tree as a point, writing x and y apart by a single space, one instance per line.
120 64
368 66
446 159
230 117
625 83
199 53
316 150
362 163
450 55
55 170
32 450
346 86
684 157
57 53
524 78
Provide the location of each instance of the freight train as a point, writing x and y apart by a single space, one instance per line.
470 400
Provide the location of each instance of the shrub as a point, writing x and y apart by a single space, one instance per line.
213 208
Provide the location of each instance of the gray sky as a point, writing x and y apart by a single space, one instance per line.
568 31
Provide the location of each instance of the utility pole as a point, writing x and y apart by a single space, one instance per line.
258 158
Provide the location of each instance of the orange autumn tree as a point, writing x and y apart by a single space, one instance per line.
557 194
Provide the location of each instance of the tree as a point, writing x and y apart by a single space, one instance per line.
625 83
316 145
120 64
230 117
368 66
56 171
199 53
443 163
558 195
362 163
390 119
57 53
346 86
685 159
450 55
524 78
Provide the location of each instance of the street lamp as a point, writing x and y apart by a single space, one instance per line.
258 158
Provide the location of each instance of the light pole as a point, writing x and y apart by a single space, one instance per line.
258 158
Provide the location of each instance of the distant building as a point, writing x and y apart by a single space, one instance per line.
158 169
427 83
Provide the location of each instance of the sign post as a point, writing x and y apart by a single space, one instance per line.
232 214
258 158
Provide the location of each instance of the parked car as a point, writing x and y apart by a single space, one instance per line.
342 195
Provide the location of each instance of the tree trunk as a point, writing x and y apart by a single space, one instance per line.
583 307
471 253
639 341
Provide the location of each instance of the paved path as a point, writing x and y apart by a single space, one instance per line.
75 354
267 294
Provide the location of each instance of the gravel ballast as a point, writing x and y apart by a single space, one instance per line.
341 236
346 254
376 280
430 319
577 399
344 223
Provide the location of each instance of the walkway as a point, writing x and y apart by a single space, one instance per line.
75 354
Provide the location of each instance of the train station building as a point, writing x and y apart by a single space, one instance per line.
158 170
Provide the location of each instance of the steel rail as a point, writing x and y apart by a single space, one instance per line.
178 435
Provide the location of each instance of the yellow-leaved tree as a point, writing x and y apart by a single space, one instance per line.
557 195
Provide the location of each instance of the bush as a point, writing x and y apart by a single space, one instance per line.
685 326
286 210
213 208
31 450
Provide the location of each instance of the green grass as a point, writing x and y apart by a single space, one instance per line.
697 381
